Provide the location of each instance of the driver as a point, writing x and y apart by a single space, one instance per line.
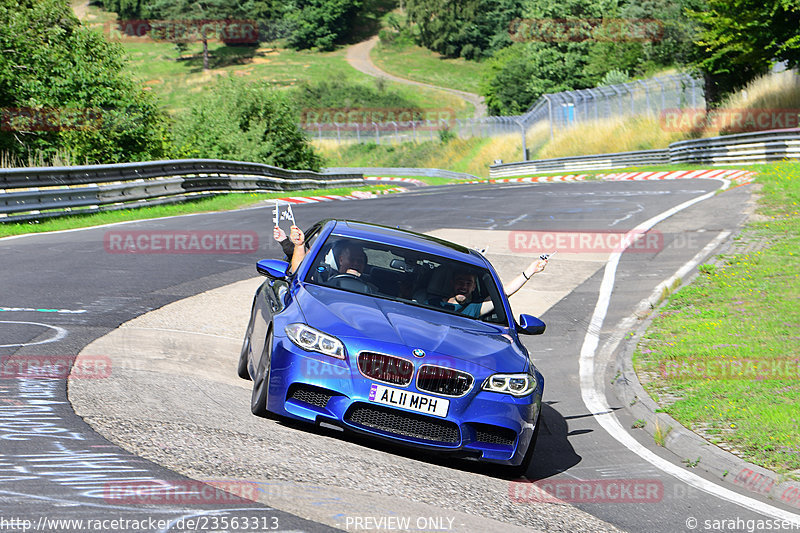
350 258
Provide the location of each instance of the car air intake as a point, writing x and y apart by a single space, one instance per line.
385 368
310 395
403 423
444 381
495 435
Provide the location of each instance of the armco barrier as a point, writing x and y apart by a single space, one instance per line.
397 171
27 193
589 162
738 149
758 147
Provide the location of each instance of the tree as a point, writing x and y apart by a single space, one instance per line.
320 23
520 74
245 122
742 39
63 88
181 11
550 54
464 28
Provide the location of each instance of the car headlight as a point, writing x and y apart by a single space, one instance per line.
514 384
314 340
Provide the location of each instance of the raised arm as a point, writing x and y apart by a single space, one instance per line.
298 238
517 283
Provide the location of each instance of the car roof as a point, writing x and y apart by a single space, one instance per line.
407 239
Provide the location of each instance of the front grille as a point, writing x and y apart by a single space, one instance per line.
385 368
444 381
403 423
310 395
495 435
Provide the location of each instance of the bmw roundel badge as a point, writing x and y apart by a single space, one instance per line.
418 353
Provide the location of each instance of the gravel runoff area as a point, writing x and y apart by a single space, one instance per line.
173 397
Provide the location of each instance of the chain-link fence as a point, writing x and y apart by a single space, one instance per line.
560 110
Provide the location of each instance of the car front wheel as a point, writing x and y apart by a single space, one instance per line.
258 401
522 468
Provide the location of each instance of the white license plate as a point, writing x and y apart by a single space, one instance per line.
422 403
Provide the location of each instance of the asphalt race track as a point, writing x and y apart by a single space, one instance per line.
188 419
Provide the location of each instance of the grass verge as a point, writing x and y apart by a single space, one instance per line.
222 202
473 155
173 76
420 64
722 357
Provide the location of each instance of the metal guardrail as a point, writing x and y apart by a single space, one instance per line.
29 193
759 147
738 149
577 163
402 171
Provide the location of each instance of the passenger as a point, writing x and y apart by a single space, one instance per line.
460 300
465 283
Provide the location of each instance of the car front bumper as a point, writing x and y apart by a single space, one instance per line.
484 425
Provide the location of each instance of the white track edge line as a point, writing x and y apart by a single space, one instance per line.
597 403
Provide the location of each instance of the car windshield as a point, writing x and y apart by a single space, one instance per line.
408 276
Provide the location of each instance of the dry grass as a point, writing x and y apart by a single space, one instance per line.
770 94
37 159
609 136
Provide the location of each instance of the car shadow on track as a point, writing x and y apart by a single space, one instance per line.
553 453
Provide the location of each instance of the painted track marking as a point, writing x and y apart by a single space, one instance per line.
595 400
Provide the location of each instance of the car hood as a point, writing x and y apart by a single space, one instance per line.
349 315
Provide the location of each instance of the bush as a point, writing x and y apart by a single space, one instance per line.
520 74
73 76
321 23
340 95
245 121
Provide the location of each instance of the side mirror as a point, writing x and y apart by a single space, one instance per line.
530 325
272 268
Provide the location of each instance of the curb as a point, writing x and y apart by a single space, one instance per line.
356 195
412 181
741 177
681 441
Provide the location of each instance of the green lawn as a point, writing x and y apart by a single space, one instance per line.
172 76
420 64
723 357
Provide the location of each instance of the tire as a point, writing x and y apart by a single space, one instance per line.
522 468
242 369
258 400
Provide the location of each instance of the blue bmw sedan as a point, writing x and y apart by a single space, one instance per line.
399 336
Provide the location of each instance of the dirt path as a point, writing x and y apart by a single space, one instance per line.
358 57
